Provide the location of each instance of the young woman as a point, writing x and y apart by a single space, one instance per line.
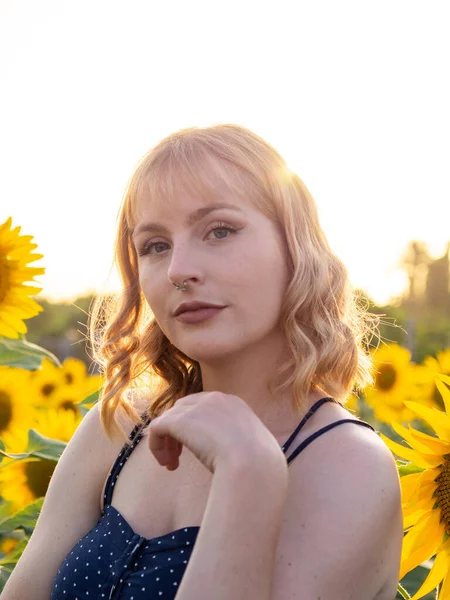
231 352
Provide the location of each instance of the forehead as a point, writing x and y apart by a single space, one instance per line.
149 205
168 190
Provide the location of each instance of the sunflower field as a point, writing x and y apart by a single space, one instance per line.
42 402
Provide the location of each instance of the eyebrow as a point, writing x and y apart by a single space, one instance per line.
192 218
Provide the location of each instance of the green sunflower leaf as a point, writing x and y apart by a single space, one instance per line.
8 562
23 519
23 354
85 405
39 446
407 468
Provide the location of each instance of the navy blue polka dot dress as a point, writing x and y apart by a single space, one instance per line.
113 562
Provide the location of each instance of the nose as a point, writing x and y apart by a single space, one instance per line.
182 267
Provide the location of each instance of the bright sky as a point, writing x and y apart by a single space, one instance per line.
353 94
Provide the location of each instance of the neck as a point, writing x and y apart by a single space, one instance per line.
248 376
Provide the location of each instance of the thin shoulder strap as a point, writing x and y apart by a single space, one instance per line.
135 437
309 414
319 432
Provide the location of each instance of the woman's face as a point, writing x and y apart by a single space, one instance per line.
230 256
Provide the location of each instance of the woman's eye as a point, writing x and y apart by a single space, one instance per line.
147 248
226 228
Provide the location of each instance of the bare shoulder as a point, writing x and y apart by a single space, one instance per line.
69 511
343 518
351 460
348 453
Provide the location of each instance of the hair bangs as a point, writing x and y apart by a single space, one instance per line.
195 170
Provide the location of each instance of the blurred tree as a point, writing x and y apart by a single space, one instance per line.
62 329
415 260
437 293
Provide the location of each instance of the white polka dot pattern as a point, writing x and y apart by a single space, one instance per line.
112 562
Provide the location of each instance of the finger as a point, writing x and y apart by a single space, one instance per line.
158 432
171 448
171 454
162 443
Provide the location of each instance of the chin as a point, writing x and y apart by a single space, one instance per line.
209 351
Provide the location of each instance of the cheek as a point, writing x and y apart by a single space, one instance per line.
271 270
265 281
157 302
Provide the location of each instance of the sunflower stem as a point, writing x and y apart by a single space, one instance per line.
403 593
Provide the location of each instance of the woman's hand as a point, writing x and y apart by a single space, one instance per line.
216 427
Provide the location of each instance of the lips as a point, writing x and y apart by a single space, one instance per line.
199 315
193 306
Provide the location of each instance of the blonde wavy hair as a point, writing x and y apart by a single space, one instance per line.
325 324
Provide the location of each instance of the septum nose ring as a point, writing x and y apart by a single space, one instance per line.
183 289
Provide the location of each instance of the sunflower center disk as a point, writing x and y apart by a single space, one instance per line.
5 410
443 493
385 379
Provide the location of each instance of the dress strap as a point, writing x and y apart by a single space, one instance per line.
319 432
135 436
309 414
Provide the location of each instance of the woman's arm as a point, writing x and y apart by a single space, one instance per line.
235 550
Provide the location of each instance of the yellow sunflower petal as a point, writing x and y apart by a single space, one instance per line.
442 376
424 486
422 498
9 313
438 420
425 461
445 392
425 552
444 593
435 445
437 573
7 331
421 542
409 520
409 483
421 442
417 536
26 310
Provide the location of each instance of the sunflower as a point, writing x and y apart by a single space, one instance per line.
8 544
16 408
74 371
15 302
45 381
426 493
64 386
24 481
75 374
67 397
396 379
440 364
